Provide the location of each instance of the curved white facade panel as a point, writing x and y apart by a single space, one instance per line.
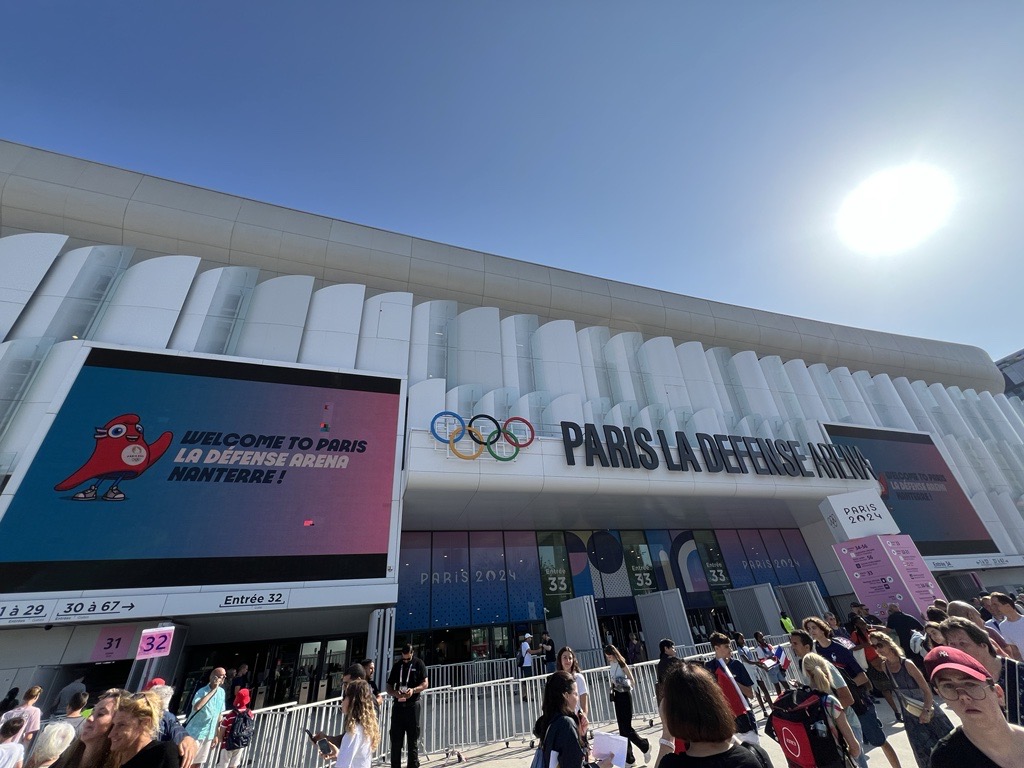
273 327
24 260
331 334
146 303
384 334
94 204
40 315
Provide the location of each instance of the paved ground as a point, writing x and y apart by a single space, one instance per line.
519 754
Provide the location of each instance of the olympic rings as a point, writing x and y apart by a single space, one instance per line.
500 431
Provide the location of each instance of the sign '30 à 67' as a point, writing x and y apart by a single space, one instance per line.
612 446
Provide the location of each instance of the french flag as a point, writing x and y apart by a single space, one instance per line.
782 657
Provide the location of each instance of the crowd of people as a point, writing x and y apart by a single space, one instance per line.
123 729
137 730
964 655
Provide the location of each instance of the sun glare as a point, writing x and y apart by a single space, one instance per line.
896 209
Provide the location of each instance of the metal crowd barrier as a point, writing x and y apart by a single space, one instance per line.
454 717
590 659
280 741
470 672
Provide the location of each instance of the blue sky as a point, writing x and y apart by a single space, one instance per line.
703 148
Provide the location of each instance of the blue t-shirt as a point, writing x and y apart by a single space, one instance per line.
841 656
737 669
202 723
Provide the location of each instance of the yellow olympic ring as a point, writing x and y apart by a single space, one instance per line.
457 433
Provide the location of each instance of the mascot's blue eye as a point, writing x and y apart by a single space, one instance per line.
118 430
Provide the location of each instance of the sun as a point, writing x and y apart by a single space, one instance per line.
896 209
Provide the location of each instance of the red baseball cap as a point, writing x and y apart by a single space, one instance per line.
945 657
153 683
242 697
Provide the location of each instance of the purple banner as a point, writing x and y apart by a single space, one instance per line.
579 563
801 558
525 597
783 564
488 578
413 609
660 545
735 558
757 559
449 580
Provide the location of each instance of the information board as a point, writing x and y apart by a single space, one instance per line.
888 569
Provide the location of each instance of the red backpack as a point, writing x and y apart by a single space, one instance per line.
801 724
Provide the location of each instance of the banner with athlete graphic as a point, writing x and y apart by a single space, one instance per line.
163 470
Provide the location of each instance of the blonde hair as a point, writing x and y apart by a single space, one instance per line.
883 637
147 708
362 710
72 757
817 671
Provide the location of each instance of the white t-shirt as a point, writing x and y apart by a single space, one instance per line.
524 649
11 754
1013 631
354 751
581 689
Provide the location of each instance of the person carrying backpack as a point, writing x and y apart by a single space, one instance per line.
810 725
236 730
695 710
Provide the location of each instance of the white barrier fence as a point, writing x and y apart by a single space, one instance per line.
470 672
454 717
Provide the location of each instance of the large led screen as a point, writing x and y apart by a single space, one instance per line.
919 489
163 470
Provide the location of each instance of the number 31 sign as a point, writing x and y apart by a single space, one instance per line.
155 642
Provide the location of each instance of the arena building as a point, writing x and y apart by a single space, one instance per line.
296 440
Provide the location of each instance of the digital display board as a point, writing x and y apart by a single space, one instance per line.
167 470
919 489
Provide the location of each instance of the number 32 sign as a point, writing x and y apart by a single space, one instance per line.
155 642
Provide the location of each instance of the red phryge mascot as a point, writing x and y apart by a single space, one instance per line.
121 453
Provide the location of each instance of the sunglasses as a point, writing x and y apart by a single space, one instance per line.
879 645
950 691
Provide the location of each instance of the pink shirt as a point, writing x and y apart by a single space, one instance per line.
32 718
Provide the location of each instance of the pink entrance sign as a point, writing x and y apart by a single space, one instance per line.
155 642
113 643
888 569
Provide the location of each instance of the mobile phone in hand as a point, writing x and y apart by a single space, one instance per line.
323 744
